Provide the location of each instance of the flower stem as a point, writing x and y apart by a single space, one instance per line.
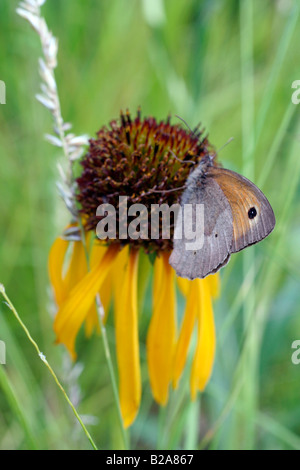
100 312
43 358
111 372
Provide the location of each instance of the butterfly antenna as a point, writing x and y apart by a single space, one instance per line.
181 119
216 153
221 148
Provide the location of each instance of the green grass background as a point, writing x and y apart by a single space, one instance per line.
230 65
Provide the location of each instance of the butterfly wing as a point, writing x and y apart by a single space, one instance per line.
218 232
252 215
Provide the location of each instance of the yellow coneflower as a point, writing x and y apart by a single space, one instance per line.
135 158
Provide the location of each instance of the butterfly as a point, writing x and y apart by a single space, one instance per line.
236 215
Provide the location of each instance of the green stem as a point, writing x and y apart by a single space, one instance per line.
44 360
193 424
161 427
100 312
246 430
20 413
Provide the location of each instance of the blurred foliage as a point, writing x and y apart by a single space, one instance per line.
229 65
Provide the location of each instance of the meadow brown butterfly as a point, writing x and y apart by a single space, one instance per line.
236 215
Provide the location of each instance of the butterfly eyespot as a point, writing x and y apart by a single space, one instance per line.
216 235
252 212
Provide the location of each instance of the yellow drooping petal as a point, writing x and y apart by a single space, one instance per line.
105 292
77 268
184 285
118 271
162 330
188 323
127 340
91 321
55 267
76 307
214 283
97 252
205 349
